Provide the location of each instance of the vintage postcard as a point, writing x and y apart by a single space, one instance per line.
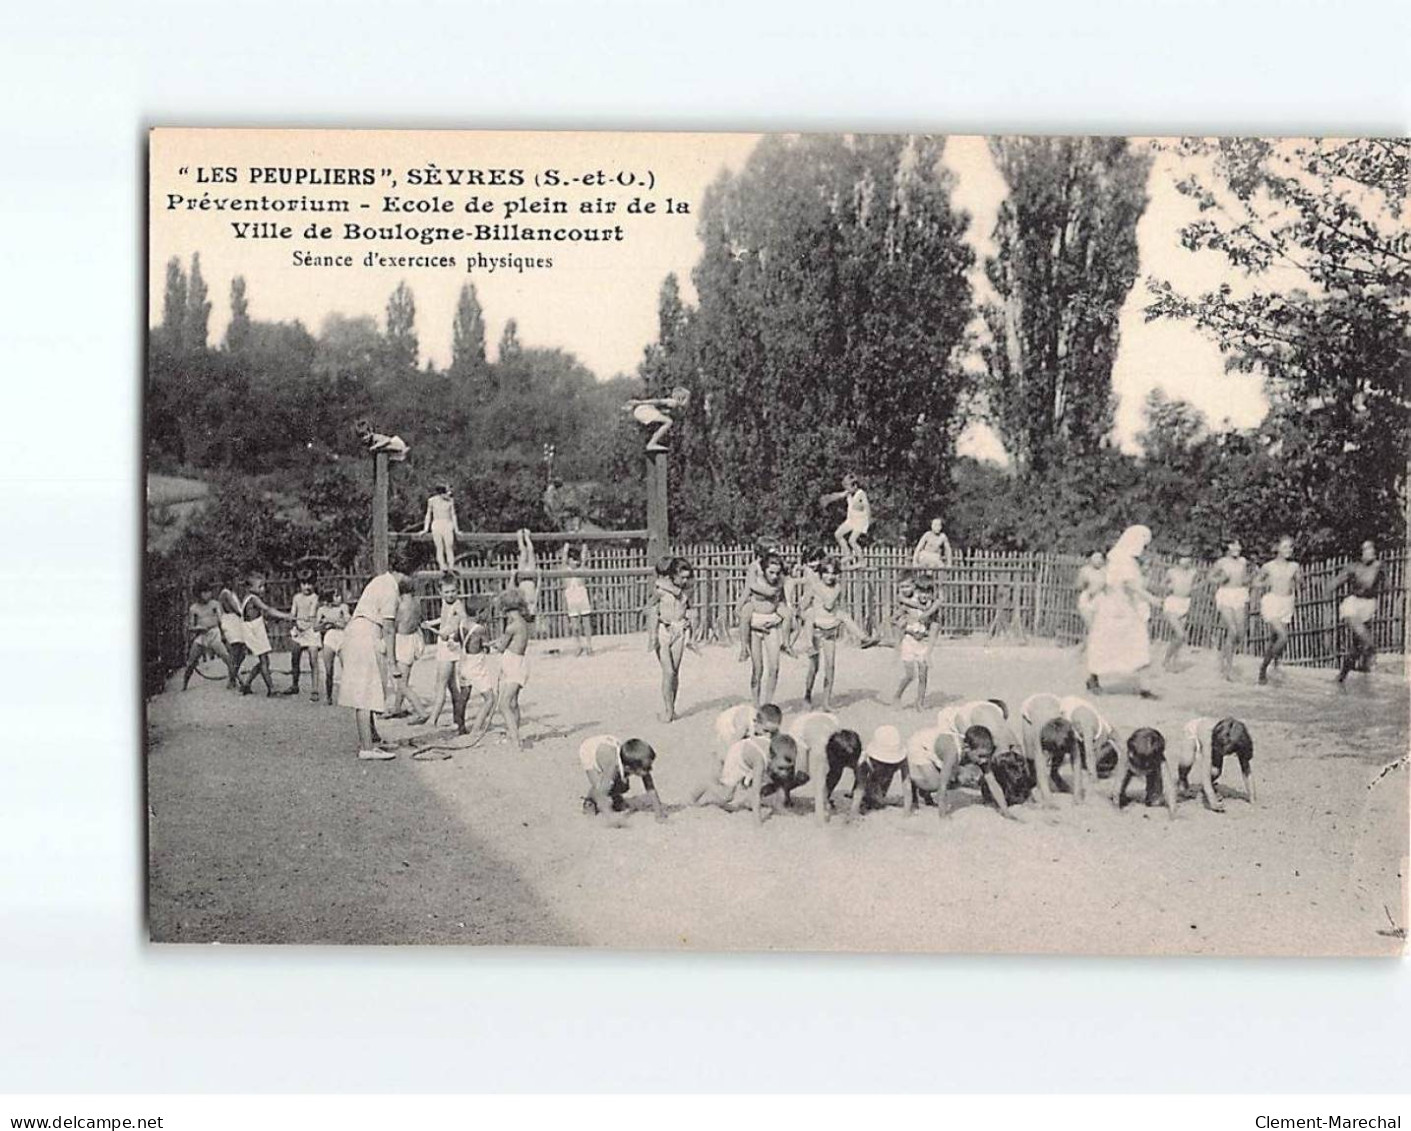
755 542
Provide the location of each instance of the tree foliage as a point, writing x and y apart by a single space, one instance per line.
1316 230
833 304
1065 260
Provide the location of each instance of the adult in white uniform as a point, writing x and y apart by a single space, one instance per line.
366 642
1119 644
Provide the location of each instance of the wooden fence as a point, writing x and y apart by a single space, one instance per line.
1008 596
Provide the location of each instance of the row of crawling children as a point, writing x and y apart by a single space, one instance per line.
1056 746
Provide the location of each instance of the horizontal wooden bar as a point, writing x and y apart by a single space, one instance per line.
491 537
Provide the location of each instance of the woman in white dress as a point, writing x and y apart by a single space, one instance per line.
366 643
1119 643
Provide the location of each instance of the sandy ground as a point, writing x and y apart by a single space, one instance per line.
265 828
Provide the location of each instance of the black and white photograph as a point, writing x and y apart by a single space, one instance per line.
749 542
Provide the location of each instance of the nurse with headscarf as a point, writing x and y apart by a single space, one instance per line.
1119 643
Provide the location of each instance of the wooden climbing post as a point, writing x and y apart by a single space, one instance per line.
658 529
380 491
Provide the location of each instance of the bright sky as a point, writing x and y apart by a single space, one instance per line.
605 311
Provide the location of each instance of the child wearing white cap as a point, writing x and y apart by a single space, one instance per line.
880 761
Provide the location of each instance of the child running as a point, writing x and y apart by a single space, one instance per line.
441 523
575 598
668 629
305 636
447 628
1278 577
1176 606
1207 743
1358 608
858 522
610 765
1231 601
203 624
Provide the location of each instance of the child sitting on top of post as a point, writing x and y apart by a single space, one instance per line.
394 447
655 413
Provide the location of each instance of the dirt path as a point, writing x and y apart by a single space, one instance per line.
265 828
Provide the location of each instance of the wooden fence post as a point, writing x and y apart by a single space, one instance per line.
658 527
380 492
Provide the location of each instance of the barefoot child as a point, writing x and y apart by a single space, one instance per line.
526 574
203 624
654 413
916 614
745 721
668 628
760 768
477 673
763 597
1230 574
1145 756
811 732
610 765
333 619
857 523
1007 779
1278 576
843 751
253 611
1358 609
1098 744
1176 605
824 621
883 757
441 523
932 548
447 627
926 754
407 650
514 662
232 630
1202 757
305 636
768 625
575 598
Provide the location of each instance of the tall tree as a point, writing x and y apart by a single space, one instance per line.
833 304
174 306
237 330
198 307
1317 230
468 336
664 360
1065 260
402 345
509 348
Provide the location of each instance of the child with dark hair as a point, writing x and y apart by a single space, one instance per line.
843 750
1145 756
576 602
668 628
825 620
305 636
916 613
447 629
769 628
1202 757
610 765
203 624
1007 778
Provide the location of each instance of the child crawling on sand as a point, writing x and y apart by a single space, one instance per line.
1201 757
1007 778
1145 756
610 765
759 768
